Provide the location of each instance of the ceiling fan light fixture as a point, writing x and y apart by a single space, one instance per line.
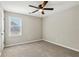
40 10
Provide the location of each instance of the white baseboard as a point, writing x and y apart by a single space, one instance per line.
47 41
23 43
63 45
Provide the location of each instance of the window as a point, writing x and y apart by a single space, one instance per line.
15 26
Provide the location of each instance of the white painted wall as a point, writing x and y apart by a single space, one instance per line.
63 28
31 30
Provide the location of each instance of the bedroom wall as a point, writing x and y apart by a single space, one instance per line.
31 29
62 28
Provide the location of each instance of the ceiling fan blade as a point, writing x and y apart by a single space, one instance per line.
48 8
42 12
34 11
33 6
44 3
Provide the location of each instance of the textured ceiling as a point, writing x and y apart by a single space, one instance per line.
23 8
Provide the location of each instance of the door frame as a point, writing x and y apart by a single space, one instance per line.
2 30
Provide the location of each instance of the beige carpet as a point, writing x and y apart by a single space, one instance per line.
38 49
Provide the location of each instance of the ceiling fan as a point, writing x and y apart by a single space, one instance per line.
41 7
